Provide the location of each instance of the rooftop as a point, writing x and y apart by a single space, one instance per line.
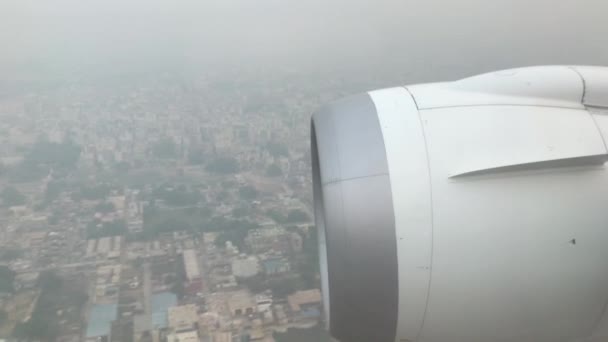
299 298
188 336
183 316
100 319
191 264
161 302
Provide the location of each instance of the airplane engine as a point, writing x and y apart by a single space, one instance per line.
474 210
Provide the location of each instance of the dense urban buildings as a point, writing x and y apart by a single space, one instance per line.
159 208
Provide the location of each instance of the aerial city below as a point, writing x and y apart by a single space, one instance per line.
159 207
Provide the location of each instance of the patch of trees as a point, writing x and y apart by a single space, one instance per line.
240 212
166 225
53 219
97 229
140 178
297 215
9 254
27 171
7 279
122 166
222 196
44 155
220 223
277 149
177 197
283 287
57 155
158 220
274 171
223 165
235 236
248 192
308 266
277 215
3 317
11 196
54 189
293 216
165 149
105 207
43 324
231 230
92 192
196 156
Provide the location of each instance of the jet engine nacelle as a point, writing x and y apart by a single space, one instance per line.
474 210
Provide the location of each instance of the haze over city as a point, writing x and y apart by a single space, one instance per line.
418 41
155 171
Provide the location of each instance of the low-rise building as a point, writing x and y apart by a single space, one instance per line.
105 247
268 239
222 336
191 265
107 283
257 334
183 317
193 271
264 301
185 336
245 267
305 304
241 303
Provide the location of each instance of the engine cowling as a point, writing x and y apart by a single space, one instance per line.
474 210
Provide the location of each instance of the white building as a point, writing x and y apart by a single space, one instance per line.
263 301
245 267
193 271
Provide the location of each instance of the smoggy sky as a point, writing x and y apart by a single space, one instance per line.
423 40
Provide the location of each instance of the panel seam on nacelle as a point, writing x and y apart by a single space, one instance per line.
428 161
408 176
502 105
536 165
413 99
583 96
599 130
584 84
333 181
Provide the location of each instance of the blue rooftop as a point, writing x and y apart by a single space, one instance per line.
311 312
100 319
273 265
161 302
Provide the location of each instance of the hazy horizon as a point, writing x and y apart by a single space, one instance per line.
420 41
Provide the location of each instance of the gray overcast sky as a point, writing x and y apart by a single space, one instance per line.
425 39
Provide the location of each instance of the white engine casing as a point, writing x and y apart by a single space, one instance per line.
478 208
